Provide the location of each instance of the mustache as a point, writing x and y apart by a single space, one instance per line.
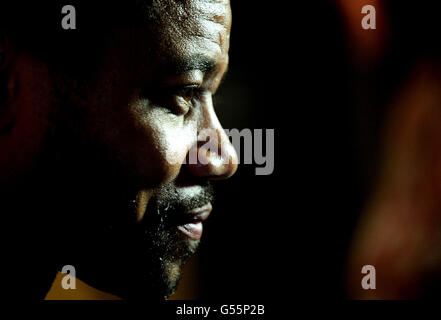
168 202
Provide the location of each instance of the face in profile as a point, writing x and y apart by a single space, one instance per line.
110 152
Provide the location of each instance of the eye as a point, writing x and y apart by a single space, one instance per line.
179 100
183 99
187 93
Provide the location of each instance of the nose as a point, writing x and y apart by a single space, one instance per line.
213 156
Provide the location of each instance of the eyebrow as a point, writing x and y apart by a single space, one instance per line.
198 62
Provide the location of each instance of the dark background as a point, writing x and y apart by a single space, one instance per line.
292 68
283 235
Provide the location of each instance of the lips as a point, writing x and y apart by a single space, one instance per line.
191 222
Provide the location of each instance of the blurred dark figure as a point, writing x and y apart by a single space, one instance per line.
397 76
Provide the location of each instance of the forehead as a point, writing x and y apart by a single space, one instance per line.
186 12
191 27
167 33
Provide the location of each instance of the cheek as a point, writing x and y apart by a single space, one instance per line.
148 142
172 139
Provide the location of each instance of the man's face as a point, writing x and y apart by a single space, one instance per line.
121 140
152 98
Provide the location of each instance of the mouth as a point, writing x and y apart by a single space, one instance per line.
190 223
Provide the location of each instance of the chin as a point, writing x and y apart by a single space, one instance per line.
131 275
147 286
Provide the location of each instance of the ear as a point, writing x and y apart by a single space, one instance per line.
6 85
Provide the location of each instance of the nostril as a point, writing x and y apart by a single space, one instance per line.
213 156
211 166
